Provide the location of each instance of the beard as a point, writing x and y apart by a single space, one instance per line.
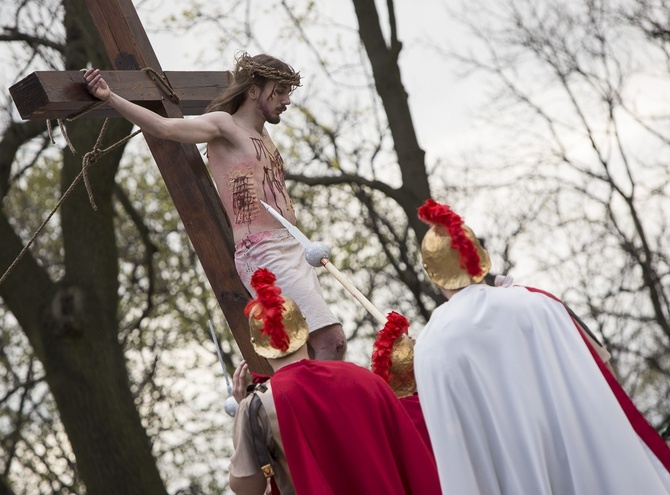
272 119
270 116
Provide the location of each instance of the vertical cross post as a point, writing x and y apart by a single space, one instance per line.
184 172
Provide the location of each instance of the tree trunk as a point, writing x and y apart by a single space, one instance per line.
72 324
384 60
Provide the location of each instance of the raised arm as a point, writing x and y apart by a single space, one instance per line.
201 129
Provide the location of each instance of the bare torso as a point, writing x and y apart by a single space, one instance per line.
244 162
248 168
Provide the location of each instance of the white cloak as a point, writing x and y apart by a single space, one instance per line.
516 405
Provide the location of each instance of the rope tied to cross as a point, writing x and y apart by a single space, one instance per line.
92 156
163 84
89 158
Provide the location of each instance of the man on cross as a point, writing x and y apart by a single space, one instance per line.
247 167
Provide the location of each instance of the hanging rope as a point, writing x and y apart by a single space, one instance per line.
50 131
63 131
89 159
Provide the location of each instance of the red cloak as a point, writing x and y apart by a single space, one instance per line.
346 433
413 408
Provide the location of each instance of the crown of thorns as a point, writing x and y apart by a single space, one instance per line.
290 78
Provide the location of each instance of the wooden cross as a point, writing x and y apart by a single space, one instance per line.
52 95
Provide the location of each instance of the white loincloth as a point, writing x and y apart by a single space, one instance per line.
283 255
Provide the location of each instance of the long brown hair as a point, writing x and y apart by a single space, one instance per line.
249 71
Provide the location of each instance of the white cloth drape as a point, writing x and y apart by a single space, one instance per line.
516 405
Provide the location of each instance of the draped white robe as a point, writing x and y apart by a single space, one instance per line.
515 403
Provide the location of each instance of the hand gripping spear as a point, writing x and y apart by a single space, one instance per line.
317 254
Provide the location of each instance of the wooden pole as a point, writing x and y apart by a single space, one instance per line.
187 179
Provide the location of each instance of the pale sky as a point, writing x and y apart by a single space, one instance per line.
442 104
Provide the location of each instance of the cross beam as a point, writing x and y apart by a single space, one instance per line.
184 172
61 95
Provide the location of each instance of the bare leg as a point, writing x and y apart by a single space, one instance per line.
328 343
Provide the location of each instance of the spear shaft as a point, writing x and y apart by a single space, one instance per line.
325 262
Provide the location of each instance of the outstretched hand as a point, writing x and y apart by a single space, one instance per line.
240 381
96 85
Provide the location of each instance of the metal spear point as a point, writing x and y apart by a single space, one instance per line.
322 259
230 406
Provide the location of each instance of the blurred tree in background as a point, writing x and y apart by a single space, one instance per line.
109 382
